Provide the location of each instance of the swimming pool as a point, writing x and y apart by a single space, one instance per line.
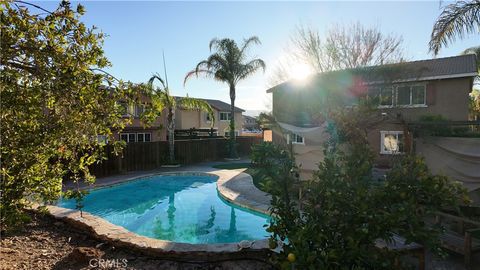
180 208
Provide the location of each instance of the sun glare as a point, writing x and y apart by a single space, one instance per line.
300 71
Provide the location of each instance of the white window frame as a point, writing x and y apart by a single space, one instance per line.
382 140
229 115
144 136
424 85
296 136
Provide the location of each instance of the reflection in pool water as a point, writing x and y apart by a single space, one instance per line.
180 208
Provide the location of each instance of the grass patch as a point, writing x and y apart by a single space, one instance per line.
257 180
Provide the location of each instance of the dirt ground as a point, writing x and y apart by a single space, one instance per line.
46 243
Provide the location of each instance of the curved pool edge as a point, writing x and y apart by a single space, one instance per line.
229 184
105 231
240 190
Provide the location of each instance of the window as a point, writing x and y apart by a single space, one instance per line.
295 139
383 94
123 108
391 142
411 95
139 109
225 116
131 137
403 95
207 117
136 137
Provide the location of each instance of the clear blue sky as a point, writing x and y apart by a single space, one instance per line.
139 31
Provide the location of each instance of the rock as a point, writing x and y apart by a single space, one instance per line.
244 244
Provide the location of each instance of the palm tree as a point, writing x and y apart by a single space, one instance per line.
228 63
456 20
163 100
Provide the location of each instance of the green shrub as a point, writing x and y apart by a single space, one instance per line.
54 104
342 213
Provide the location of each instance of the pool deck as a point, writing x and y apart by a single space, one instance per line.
235 186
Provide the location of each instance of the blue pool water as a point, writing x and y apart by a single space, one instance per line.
180 208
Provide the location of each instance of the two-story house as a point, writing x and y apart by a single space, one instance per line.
137 131
185 119
405 91
250 123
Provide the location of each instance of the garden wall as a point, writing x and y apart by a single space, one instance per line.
152 155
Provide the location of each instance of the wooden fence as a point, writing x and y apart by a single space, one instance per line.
152 155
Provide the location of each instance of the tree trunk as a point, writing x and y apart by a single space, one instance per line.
232 146
171 135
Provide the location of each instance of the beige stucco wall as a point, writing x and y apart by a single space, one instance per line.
197 119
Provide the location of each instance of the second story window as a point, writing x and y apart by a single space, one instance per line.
411 95
225 116
207 117
383 94
139 109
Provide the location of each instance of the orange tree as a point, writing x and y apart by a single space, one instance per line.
343 211
55 102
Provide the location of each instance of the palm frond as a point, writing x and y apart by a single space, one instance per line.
188 103
154 77
213 43
454 22
196 73
250 68
248 42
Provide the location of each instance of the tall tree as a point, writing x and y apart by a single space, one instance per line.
229 63
455 21
163 100
54 103
343 47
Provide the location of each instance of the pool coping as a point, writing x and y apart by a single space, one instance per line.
230 184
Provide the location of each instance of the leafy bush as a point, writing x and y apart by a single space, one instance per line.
342 214
55 102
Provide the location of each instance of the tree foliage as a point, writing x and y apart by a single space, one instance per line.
343 47
229 63
456 20
343 211
55 102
